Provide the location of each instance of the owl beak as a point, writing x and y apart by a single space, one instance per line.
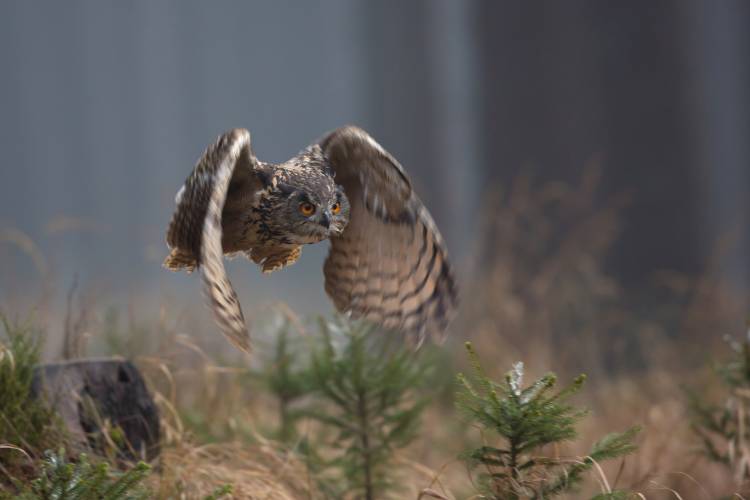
325 220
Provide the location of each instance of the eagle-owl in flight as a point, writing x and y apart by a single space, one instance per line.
387 262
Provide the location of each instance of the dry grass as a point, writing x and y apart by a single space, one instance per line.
542 295
255 472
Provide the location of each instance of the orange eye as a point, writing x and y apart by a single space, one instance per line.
336 208
306 209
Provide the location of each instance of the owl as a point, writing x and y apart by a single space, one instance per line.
387 262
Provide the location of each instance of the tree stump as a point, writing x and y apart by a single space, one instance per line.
104 404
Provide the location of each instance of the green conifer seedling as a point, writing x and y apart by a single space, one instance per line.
526 419
288 380
25 422
371 402
82 480
724 429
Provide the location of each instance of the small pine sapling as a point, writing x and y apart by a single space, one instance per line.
26 422
526 419
372 397
83 480
725 429
288 381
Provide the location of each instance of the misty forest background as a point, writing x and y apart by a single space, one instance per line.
608 139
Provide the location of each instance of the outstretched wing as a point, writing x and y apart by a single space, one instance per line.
223 182
390 264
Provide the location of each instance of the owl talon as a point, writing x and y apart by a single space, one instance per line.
180 260
272 259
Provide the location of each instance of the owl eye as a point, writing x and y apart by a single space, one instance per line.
336 208
306 208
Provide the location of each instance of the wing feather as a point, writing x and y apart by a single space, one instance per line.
218 189
390 264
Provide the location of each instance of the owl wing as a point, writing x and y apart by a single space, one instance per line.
390 264
224 180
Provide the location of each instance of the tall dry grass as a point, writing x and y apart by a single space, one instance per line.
540 292
544 296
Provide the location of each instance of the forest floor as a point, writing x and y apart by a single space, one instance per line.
542 296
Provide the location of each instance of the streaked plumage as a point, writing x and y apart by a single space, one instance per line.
387 261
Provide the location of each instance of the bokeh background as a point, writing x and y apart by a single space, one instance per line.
105 106
588 164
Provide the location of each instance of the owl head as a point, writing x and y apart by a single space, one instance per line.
304 203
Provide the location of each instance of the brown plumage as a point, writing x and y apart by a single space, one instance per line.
387 262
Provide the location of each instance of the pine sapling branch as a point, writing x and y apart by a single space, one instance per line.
526 419
724 428
368 396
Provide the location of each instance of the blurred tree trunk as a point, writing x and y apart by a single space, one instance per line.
565 82
423 103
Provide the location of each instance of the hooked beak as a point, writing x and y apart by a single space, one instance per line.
325 220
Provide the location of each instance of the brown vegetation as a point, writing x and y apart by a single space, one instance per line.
541 294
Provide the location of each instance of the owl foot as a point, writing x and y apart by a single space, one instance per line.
271 259
180 260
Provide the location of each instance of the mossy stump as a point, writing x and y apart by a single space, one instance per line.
104 404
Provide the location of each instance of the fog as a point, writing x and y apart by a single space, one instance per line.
106 106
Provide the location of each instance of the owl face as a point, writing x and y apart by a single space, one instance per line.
308 211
